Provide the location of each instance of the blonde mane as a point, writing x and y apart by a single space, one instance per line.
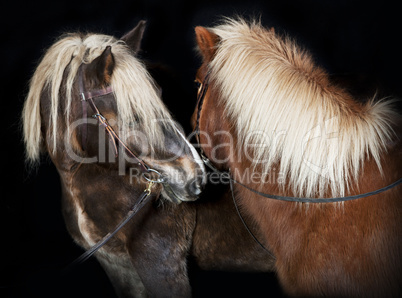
285 105
135 92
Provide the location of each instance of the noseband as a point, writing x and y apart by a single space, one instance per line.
87 97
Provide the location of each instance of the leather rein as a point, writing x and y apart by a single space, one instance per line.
207 162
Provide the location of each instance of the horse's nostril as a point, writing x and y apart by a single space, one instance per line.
194 187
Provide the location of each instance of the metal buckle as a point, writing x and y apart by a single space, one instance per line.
83 97
97 115
148 189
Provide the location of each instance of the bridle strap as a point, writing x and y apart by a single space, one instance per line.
200 102
84 127
245 224
87 98
97 92
114 137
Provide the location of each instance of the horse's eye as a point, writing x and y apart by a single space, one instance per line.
198 85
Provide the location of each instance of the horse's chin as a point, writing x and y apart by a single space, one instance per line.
174 197
171 196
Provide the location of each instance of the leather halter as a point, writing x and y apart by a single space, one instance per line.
200 102
207 162
87 97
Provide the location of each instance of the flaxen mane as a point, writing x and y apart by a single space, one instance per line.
286 106
134 90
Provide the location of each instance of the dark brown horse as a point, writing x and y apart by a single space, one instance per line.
274 119
89 98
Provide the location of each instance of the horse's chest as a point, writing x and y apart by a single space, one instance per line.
85 226
79 225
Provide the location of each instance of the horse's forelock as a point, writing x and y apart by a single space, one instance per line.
134 89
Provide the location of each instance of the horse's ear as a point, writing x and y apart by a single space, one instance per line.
206 41
134 37
101 68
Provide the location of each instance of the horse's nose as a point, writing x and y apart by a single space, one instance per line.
195 187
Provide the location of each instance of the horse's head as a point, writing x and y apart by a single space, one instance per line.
93 102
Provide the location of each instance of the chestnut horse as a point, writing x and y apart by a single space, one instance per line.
104 162
273 118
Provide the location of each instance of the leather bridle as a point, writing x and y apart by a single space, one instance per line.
200 101
87 98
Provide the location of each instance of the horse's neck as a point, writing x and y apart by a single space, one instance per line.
280 220
85 183
94 200
96 175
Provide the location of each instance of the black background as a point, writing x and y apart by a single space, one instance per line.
356 41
